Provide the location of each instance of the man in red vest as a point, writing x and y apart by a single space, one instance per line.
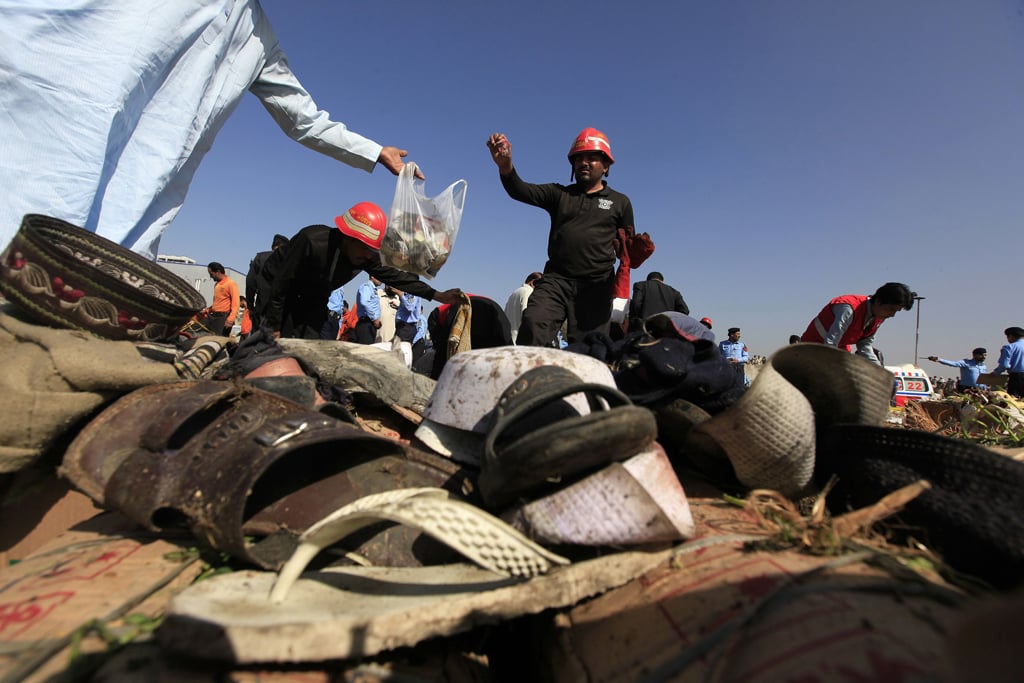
851 320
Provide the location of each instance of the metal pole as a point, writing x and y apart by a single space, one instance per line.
917 326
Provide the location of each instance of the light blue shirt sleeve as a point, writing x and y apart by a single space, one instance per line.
971 371
368 301
421 328
866 348
408 308
737 350
1004 361
1011 357
109 106
843 316
336 302
298 116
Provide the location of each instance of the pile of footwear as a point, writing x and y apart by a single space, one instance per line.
602 501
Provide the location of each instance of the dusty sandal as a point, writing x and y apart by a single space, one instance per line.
483 538
229 461
536 438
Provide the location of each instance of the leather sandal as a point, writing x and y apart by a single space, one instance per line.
536 439
229 461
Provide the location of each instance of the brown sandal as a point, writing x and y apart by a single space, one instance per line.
228 461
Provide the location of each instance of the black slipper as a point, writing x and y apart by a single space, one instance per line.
536 439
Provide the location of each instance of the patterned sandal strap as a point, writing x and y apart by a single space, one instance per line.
481 537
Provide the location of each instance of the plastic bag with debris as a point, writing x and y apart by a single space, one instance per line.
421 230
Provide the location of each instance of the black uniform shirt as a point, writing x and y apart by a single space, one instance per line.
583 226
304 272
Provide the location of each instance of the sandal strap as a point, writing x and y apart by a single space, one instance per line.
541 386
567 447
481 537
228 461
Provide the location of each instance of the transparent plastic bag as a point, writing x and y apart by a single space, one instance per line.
421 230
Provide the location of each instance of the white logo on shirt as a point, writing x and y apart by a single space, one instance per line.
604 204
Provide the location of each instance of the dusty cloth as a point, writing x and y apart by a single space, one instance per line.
260 348
54 380
459 335
456 328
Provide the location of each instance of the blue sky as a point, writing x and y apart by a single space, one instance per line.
779 152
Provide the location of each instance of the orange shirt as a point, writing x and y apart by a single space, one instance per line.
225 298
246 323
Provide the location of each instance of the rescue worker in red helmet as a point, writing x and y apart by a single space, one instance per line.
585 218
319 259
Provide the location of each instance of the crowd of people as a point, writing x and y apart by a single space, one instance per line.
296 288
293 289
569 301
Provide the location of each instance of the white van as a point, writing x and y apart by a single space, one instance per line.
910 383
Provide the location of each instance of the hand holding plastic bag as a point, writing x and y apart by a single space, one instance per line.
421 230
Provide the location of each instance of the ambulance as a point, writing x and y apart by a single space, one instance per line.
910 383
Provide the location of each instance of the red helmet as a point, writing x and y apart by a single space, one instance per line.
591 140
366 222
706 321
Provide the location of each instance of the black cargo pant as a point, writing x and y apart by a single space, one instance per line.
1015 384
405 330
584 305
366 331
331 325
216 322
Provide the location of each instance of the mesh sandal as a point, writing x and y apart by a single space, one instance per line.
842 387
768 435
488 541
